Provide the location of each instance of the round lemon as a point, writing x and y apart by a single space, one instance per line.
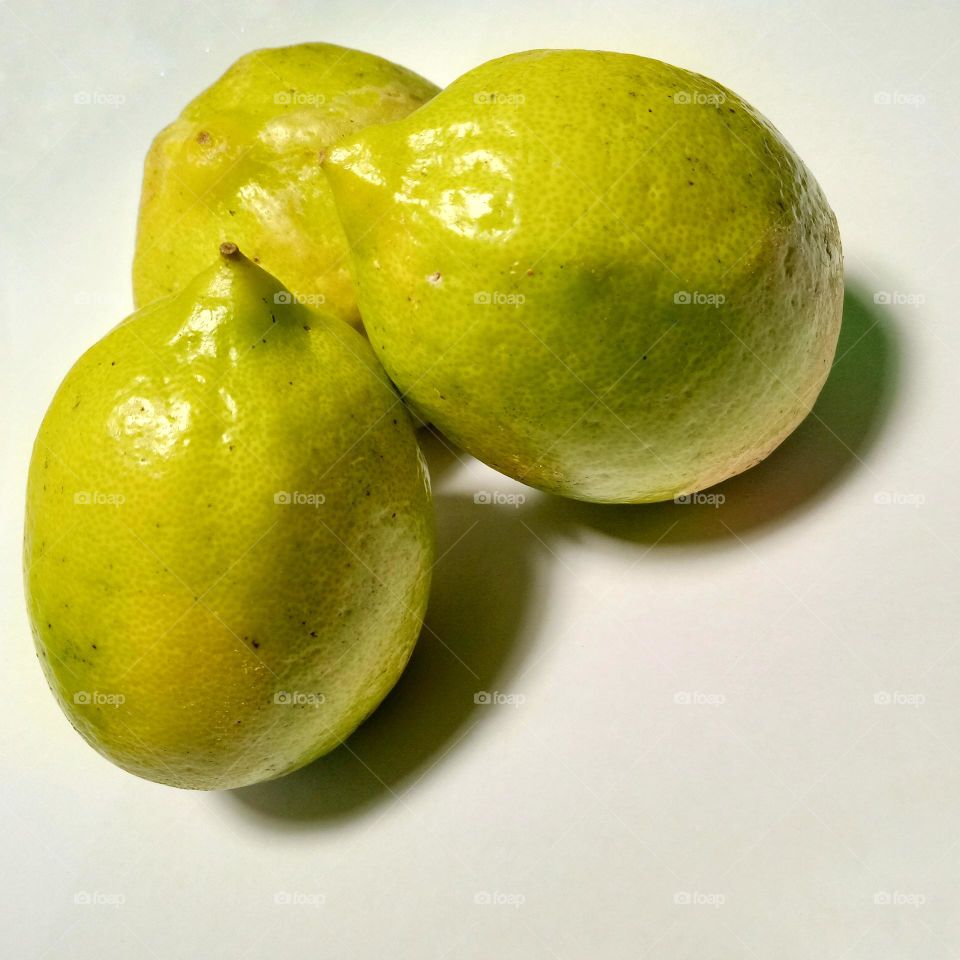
605 276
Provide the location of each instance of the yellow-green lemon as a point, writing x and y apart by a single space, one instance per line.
242 162
228 535
603 275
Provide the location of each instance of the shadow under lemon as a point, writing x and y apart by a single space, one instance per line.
486 595
833 440
474 638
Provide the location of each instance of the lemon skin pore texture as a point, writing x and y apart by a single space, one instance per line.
242 163
605 276
194 630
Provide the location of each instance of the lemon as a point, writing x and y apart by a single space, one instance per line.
228 535
242 163
605 276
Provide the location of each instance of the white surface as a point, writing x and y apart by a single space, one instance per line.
800 816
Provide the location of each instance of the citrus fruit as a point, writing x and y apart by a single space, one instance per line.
605 276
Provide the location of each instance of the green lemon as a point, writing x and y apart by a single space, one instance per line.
603 275
228 535
242 163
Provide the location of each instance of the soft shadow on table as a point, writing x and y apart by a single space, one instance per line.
483 594
834 440
485 590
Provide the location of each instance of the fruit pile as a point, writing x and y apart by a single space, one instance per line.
602 275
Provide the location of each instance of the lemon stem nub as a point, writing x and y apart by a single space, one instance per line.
230 251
